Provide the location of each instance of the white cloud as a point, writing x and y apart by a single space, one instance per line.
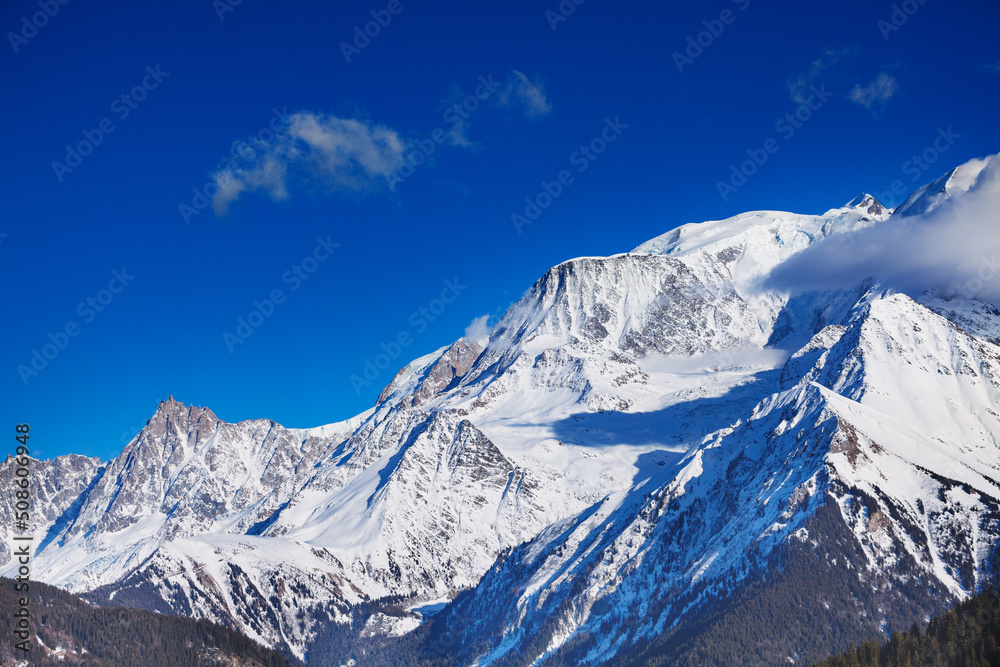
527 94
799 88
479 329
953 250
344 153
268 173
347 153
993 67
877 93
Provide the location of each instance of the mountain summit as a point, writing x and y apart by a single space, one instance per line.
870 205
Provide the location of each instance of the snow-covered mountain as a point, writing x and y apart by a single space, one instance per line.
647 448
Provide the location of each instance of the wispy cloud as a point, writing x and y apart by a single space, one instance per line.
799 88
517 92
529 95
993 67
458 133
479 329
343 153
946 250
876 94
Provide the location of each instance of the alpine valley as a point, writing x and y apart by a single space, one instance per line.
652 458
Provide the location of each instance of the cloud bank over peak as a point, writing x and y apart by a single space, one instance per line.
952 249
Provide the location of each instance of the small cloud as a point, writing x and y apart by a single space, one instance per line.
876 94
458 134
517 92
479 330
343 153
799 88
993 67
527 94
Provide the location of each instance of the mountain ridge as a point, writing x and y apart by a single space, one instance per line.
590 458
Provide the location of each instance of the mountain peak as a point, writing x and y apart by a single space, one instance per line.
867 203
170 404
428 376
178 410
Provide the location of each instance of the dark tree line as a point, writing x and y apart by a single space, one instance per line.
967 636
120 636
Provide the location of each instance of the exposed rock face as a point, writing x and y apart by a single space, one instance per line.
870 205
439 376
185 474
58 487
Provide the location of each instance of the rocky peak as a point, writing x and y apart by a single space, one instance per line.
172 415
867 203
451 366
173 407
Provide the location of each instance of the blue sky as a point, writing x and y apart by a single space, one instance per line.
619 100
